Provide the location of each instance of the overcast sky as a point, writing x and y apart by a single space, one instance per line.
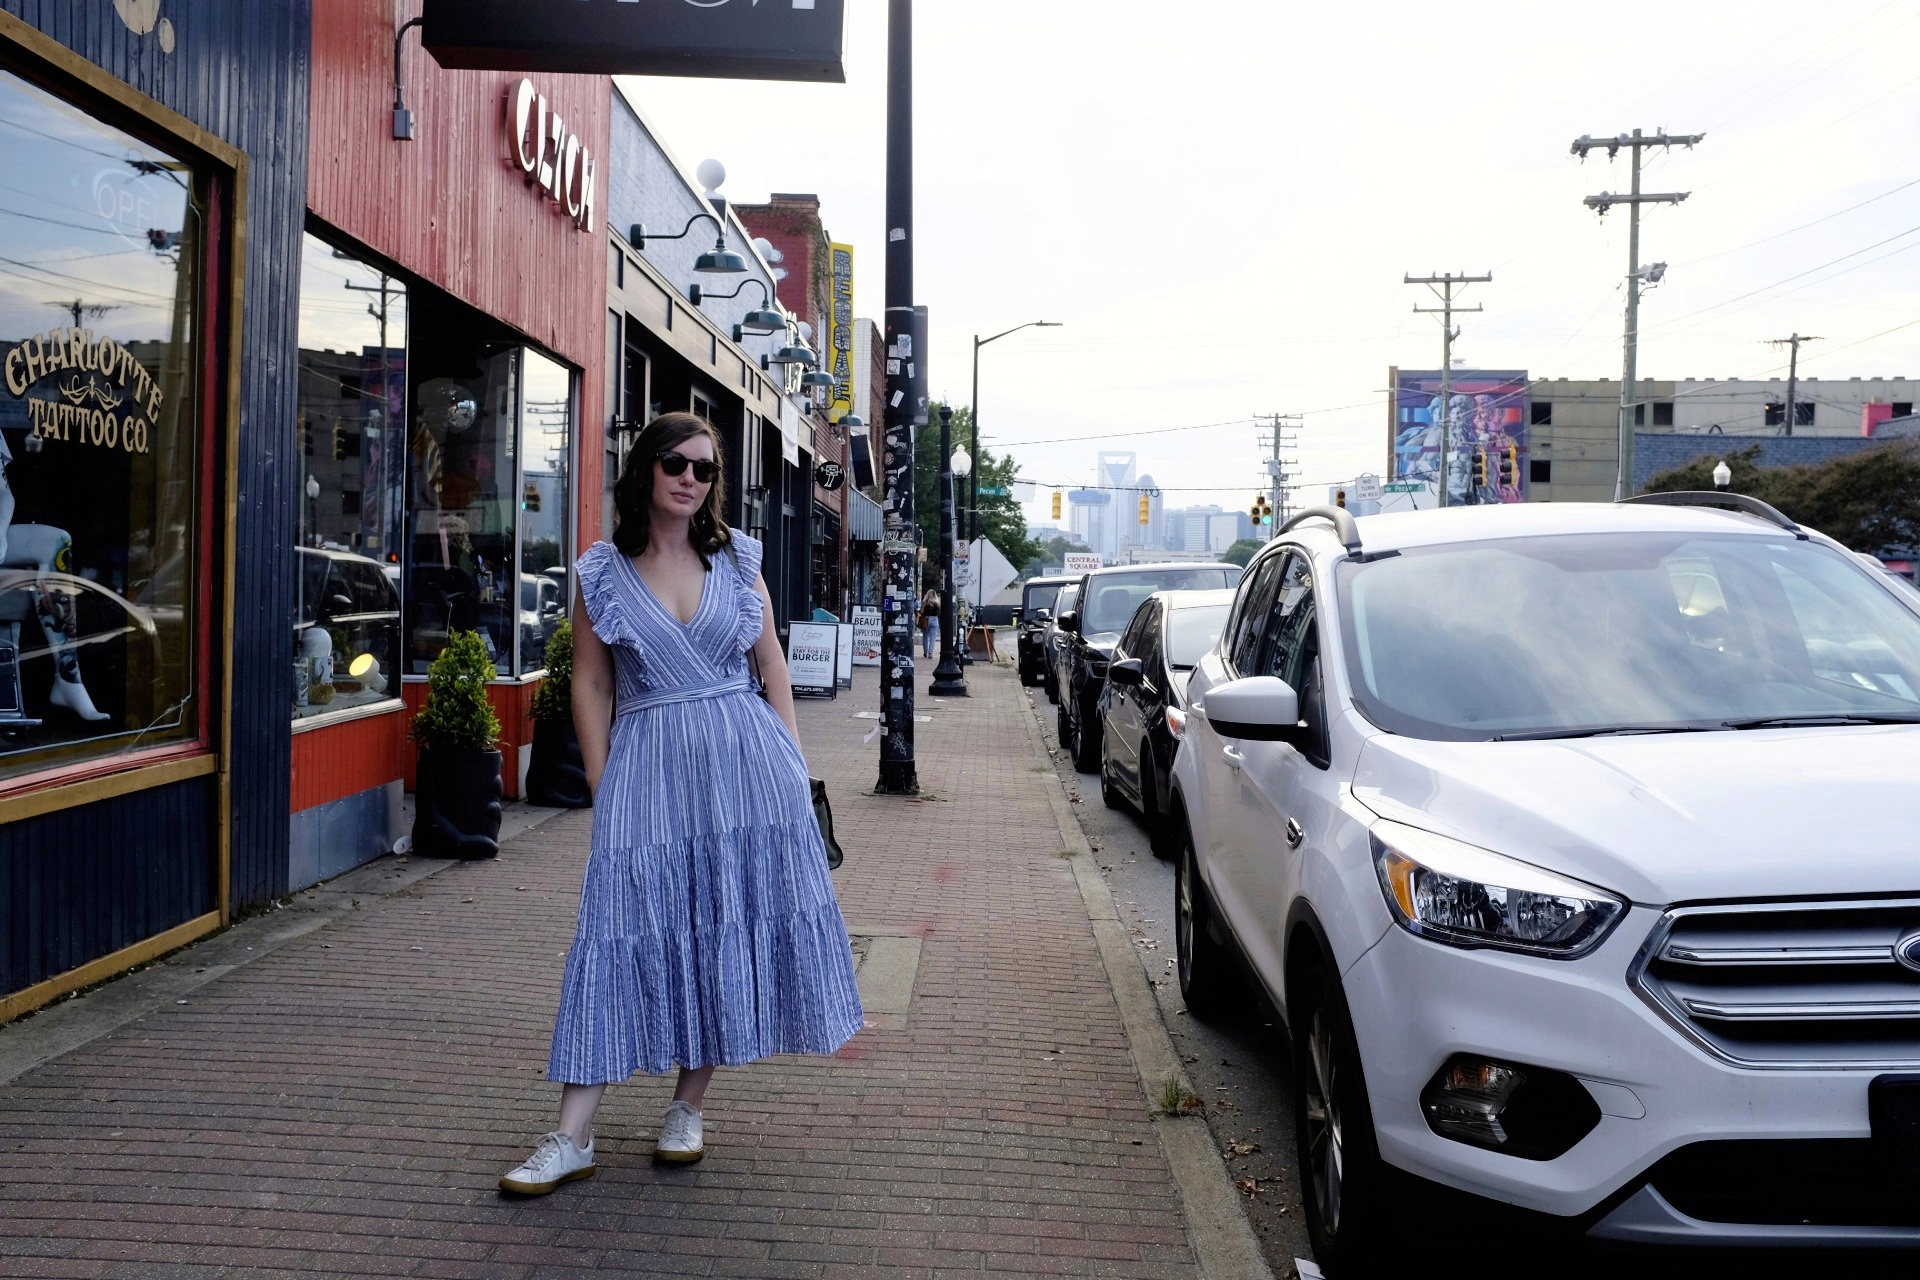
1219 201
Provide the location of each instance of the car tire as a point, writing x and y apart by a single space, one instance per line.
1208 981
1063 728
1351 1204
1086 741
1159 838
1109 794
1053 692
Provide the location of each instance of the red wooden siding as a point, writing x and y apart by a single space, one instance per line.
451 207
513 703
345 759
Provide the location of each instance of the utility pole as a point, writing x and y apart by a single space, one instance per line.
1281 429
897 771
1445 283
1793 367
1634 142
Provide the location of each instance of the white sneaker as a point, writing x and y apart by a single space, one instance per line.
680 1138
554 1161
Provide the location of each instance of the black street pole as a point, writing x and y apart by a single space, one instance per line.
948 680
897 772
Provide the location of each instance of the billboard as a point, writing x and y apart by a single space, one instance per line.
797 41
1485 430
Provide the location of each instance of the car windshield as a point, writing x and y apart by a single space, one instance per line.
1040 597
1068 595
1191 632
1554 636
529 594
1115 597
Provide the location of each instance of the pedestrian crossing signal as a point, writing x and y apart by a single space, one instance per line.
1056 505
1143 508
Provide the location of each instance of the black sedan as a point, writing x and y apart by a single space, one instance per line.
1107 602
1143 706
1053 642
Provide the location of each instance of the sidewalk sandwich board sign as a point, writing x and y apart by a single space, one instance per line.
812 657
785 41
866 636
843 662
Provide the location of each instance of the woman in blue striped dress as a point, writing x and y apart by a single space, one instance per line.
709 934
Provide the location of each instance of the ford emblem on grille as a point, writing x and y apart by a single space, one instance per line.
1907 950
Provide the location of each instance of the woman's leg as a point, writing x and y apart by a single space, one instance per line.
693 1086
578 1102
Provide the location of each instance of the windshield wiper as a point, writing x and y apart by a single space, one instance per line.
1600 731
1821 721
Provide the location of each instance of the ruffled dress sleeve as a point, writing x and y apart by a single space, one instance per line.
746 557
606 606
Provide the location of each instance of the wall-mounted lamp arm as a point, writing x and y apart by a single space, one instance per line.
638 235
696 295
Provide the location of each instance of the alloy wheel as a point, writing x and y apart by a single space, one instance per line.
1324 1163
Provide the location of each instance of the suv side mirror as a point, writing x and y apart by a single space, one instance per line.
1256 708
1043 615
1068 622
1127 671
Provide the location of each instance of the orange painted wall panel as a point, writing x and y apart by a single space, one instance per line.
345 759
513 703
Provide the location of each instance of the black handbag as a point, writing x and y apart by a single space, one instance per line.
822 807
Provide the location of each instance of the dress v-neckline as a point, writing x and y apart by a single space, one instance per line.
706 581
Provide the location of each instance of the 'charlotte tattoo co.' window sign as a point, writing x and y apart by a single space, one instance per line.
104 397
552 156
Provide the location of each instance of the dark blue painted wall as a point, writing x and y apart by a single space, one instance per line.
238 68
102 877
1657 451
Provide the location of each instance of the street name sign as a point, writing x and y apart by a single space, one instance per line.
731 39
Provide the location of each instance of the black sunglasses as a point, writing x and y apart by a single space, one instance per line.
704 470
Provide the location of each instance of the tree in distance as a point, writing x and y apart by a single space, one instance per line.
1243 550
1869 501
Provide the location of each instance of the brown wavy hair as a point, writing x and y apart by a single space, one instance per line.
633 492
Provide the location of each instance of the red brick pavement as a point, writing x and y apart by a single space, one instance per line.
343 1105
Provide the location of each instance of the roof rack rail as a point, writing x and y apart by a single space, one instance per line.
1714 498
1343 526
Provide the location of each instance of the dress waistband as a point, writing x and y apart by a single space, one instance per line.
661 697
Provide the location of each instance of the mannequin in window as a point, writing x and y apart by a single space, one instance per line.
43 549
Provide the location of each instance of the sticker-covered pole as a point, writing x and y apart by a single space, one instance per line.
897 772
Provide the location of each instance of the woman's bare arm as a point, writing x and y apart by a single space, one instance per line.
773 664
593 687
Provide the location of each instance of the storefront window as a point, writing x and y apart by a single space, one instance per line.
546 430
100 500
353 398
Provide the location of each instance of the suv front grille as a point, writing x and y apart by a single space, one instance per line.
1803 984
1840 1182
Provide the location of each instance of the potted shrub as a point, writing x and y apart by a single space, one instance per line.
556 775
457 784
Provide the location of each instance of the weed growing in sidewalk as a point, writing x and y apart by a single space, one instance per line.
1176 1099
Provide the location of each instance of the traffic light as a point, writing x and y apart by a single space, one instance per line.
1143 508
339 443
1510 465
1340 499
1056 504
1261 512
530 500
308 433
1479 468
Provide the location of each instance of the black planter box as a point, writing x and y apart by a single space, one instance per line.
456 800
556 775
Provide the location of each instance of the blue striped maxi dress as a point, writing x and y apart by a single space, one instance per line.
709 934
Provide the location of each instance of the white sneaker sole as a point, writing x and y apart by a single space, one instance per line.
678 1157
512 1187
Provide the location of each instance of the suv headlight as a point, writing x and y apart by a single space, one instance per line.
1464 896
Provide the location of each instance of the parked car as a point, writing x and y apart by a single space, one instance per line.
1144 699
1575 846
1037 599
351 598
1107 600
1053 641
542 606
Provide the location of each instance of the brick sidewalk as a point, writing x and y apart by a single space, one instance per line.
344 1105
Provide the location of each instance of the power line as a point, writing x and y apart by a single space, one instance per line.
1914 182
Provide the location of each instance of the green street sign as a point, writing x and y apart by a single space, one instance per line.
994 491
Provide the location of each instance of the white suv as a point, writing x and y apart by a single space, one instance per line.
1579 846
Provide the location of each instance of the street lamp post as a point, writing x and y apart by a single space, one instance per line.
948 682
961 464
973 489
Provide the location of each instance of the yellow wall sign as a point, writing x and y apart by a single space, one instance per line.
94 381
840 331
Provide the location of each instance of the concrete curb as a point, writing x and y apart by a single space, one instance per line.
1217 1224
78 1020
